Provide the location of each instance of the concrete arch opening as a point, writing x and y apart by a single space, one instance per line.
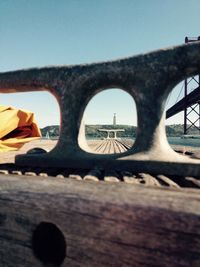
47 117
110 122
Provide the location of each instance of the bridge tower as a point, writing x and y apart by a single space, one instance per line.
191 111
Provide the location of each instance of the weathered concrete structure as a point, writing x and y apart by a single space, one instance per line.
148 78
69 222
111 131
111 146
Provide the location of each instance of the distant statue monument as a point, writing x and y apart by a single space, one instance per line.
112 131
114 120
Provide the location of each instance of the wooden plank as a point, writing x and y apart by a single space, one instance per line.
103 224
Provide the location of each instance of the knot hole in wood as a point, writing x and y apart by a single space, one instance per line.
48 244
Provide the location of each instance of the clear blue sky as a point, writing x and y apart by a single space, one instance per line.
51 32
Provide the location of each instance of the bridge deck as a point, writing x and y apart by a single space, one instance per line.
191 99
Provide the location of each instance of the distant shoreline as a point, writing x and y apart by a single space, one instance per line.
92 131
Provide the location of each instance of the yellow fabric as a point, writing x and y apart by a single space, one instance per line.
17 127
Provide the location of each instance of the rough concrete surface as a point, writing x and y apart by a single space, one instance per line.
148 78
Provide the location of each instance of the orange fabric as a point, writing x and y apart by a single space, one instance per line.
17 127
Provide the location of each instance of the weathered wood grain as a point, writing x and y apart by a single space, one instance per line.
103 224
